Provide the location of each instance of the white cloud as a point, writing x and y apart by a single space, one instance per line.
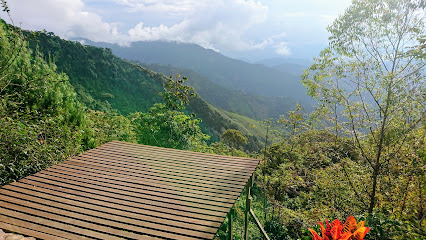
160 6
282 49
223 25
218 25
66 18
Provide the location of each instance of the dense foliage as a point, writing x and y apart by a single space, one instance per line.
362 151
234 138
102 80
38 110
370 82
165 125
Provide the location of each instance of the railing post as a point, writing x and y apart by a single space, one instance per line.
248 207
230 227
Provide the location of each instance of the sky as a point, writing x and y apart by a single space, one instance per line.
245 29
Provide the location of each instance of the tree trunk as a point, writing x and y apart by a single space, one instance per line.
373 191
376 167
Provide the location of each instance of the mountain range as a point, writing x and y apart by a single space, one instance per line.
259 91
106 82
227 72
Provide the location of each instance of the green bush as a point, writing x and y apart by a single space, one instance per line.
41 121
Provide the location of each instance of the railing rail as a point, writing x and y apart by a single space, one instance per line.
248 212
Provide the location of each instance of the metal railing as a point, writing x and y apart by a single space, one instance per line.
248 212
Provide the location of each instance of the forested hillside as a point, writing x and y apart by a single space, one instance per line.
222 70
106 82
248 104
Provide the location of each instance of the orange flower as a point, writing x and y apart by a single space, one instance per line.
350 230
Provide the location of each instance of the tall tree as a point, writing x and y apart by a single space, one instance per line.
234 138
372 75
165 124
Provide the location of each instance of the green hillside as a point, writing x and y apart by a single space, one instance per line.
248 104
104 81
222 70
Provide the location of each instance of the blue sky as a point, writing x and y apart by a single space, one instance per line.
245 29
